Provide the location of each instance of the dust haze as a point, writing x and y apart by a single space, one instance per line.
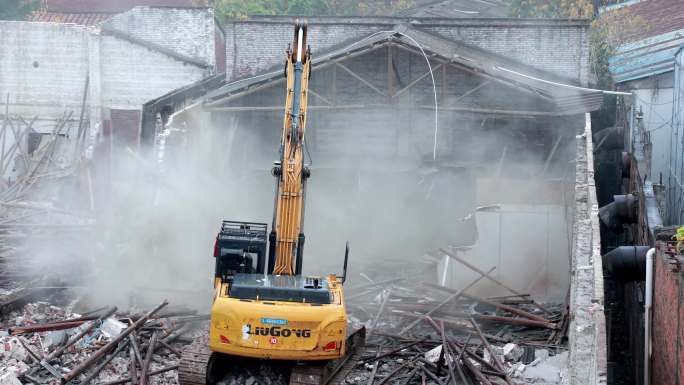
156 225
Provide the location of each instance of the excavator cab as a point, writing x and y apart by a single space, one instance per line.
240 247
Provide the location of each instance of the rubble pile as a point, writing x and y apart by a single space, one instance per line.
419 332
44 344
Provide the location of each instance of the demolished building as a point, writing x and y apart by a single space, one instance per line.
496 105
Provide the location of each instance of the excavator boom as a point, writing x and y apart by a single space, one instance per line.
273 312
287 236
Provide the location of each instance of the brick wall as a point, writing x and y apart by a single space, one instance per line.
668 324
42 67
559 46
187 31
125 127
132 74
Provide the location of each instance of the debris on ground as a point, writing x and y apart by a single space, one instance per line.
44 344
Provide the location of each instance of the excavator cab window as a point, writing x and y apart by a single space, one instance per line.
240 248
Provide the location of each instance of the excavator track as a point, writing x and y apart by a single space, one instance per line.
194 363
200 366
332 372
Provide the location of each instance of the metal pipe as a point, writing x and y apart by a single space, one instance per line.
647 316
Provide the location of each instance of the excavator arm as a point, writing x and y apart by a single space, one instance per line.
286 241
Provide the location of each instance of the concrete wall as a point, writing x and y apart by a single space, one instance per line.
44 67
188 31
587 331
560 46
668 321
528 244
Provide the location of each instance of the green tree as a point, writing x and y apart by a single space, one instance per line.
583 9
17 9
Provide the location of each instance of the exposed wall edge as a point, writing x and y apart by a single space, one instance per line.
587 332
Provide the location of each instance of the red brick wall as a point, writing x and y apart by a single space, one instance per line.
220 50
126 128
668 325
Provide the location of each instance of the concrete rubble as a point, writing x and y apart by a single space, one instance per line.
41 344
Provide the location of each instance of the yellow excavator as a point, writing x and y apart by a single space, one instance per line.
264 308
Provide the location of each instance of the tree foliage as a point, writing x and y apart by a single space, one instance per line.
583 9
17 9
608 30
243 8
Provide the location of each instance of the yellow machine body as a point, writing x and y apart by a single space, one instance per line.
291 329
278 329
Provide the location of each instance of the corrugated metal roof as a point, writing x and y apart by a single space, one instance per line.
650 50
75 18
570 99
647 57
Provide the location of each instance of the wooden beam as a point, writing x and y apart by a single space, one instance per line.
390 75
390 107
362 80
413 82
445 84
316 94
470 91
333 86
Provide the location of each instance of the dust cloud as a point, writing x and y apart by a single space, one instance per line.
158 219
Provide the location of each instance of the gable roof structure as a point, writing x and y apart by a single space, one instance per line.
563 93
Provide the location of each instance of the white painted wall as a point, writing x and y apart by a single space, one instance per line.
656 105
528 245
43 67
133 75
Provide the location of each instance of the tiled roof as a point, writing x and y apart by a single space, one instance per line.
649 50
660 16
76 18
115 6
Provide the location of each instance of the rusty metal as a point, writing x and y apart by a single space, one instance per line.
115 341
453 297
517 321
471 367
477 270
447 353
46 327
507 308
